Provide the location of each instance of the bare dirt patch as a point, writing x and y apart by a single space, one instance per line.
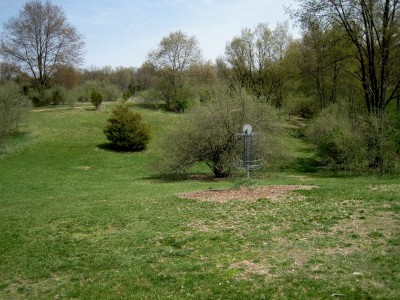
272 192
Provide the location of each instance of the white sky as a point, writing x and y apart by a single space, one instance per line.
122 32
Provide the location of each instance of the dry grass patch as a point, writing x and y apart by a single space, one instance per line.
249 268
385 188
352 236
356 234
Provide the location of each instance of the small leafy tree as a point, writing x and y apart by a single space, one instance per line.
13 108
96 98
126 130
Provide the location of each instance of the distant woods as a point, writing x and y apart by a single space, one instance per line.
342 76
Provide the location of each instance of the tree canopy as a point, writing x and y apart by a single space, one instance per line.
39 39
174 55
372 26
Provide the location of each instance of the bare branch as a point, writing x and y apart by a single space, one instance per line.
40 38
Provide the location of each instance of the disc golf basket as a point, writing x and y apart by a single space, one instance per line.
248 152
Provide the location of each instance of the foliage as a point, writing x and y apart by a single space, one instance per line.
126 129
254 62
66 76
110 92
13 108
150 95
372 27
351 142
9 71
299 105
175 54
323 64
180 100
209 134
71 96
96 97
382 134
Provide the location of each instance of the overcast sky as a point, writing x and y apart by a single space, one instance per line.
122 32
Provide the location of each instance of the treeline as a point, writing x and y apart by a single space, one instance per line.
343 74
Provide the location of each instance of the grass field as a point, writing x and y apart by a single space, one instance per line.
81 222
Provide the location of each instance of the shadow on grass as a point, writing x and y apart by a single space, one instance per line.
311 165
306 165
185 177
12 141
107 147
154 106
111 148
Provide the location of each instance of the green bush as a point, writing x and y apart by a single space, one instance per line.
71 96
301 106
110 92
354 142
209 135
96 98
58 96
339 145
13 108
179 102
40 98
150 95
382 135
126 129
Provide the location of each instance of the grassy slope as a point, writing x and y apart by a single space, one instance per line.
78 221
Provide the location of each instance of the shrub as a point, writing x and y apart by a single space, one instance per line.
110 92
96 98
58 96
40 97
209 134
382 135
126 130
71 96
302 106
352 142
179 102
338 145
151 97
13 108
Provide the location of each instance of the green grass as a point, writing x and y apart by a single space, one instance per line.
81 222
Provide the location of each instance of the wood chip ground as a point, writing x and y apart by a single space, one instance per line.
244 193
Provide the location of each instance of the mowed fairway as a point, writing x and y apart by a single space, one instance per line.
79 221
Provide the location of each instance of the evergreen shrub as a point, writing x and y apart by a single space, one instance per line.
96 98
126 130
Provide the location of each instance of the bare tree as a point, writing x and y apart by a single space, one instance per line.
39 39
8 71
175 54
